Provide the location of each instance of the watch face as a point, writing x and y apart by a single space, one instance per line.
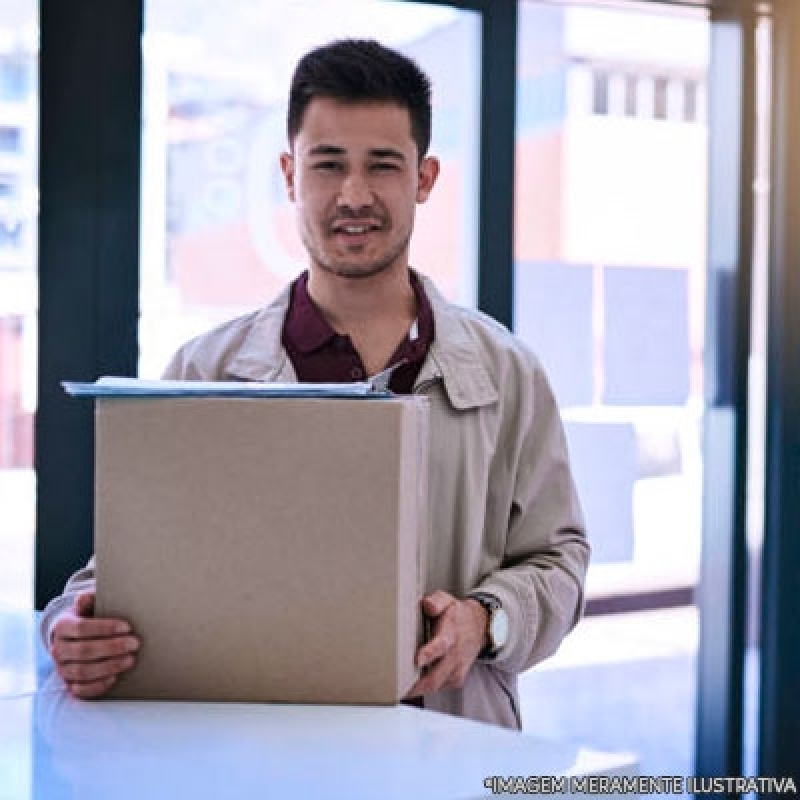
499 628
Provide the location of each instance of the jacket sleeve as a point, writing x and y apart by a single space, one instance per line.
541 579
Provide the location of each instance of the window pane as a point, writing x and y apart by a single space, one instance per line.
661 101
18 297
631 92
610 292
218 234
600 102
690 101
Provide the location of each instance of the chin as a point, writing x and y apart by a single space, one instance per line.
356 272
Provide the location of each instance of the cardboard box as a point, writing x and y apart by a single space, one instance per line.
265 549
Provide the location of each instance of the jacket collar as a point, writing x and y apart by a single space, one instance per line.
261 356
453 358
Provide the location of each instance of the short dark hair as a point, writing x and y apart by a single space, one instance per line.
362 71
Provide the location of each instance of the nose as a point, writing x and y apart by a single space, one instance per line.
355 193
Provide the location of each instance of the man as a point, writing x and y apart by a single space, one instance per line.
507 554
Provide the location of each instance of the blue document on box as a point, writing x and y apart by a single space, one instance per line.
110 386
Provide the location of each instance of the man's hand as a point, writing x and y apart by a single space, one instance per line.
459 634
90 653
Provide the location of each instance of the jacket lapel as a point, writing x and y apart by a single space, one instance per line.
261 356
452 357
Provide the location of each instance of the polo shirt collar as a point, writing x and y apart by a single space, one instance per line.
305 328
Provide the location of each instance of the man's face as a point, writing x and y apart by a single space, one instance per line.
355 176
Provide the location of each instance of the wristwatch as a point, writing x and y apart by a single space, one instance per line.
498 623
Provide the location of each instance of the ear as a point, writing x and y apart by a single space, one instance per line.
287 167
428 173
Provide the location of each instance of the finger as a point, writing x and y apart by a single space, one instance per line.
436 603
433 651
414 691
433 679
88 691
66 650
446 674
84 604
438 646
89 628
93 671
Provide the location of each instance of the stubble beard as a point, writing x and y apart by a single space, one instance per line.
353 270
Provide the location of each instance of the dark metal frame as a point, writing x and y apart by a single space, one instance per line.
779 729
498 143
722 591
90 68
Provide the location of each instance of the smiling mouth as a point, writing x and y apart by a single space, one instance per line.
354 229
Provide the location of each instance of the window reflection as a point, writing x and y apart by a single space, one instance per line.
610 247
610 269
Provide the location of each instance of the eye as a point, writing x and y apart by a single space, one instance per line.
385 166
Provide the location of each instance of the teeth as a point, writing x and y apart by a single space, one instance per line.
354 229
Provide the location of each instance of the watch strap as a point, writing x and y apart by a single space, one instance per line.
491 604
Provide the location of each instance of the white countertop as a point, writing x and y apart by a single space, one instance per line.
53 747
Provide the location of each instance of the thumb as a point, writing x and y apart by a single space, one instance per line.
435 604
84 604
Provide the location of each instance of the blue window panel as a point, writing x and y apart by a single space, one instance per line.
553 315
542 100
10 139
604 465
646 347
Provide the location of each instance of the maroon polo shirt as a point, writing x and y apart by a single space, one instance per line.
320 355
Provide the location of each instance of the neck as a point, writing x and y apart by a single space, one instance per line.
352 304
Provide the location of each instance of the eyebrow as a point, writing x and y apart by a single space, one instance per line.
326 150
334 150
387 152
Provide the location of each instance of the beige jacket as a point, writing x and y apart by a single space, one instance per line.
505 517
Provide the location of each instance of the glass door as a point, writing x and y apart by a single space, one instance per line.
610 285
